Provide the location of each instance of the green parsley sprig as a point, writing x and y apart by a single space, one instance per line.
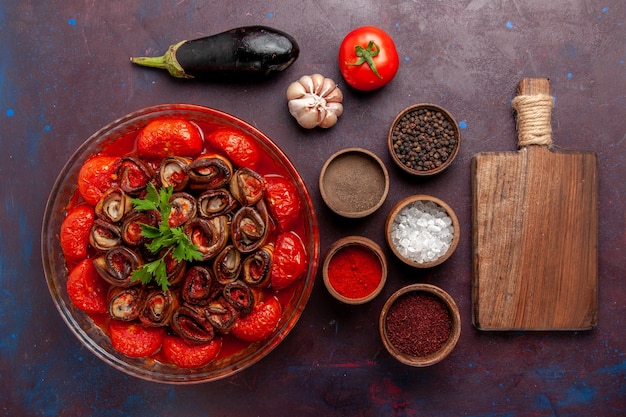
173 239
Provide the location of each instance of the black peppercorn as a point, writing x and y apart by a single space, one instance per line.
423 139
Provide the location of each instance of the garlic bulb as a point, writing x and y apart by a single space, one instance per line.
315 100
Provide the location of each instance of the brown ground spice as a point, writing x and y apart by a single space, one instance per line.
418 324
355 182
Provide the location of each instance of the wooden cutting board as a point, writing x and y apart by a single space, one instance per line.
534 228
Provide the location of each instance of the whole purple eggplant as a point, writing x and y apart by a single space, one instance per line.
249 50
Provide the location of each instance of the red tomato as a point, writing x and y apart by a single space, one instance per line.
97 175
290 260
283 200
86 289
260 323
165 137
239 147
368 58
185 355
134 340
75 231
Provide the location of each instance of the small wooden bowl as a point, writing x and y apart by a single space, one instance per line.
368 245
419 141
354 182
446 348
404 204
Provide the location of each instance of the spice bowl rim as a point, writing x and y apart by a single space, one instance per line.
449 345
422 197
323 185
442 167
358 241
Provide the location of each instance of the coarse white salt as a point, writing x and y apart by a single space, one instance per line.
422 231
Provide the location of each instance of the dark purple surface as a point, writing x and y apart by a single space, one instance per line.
64 72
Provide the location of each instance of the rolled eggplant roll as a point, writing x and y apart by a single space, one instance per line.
257 267
199 286
212 203
126 303
209 171
221 314
104 235
247 186
240 296
134 174
131 227
114 205
117 265
175 269
184 208
159 307
227 265
191 324
209 235
250 228
173 172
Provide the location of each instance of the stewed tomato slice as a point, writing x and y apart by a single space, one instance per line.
283 200
169 136
290 260
86 289
186 355
260 323
75 231
239 147
135 340
97 175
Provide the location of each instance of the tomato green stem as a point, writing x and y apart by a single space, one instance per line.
367 54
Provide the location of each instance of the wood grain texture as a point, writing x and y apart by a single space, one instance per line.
534 235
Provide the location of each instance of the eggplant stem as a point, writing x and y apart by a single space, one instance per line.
167 61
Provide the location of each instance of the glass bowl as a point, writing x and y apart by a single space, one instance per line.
86 329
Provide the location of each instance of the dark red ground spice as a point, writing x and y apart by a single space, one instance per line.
418 323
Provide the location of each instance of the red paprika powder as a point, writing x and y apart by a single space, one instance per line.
354 271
